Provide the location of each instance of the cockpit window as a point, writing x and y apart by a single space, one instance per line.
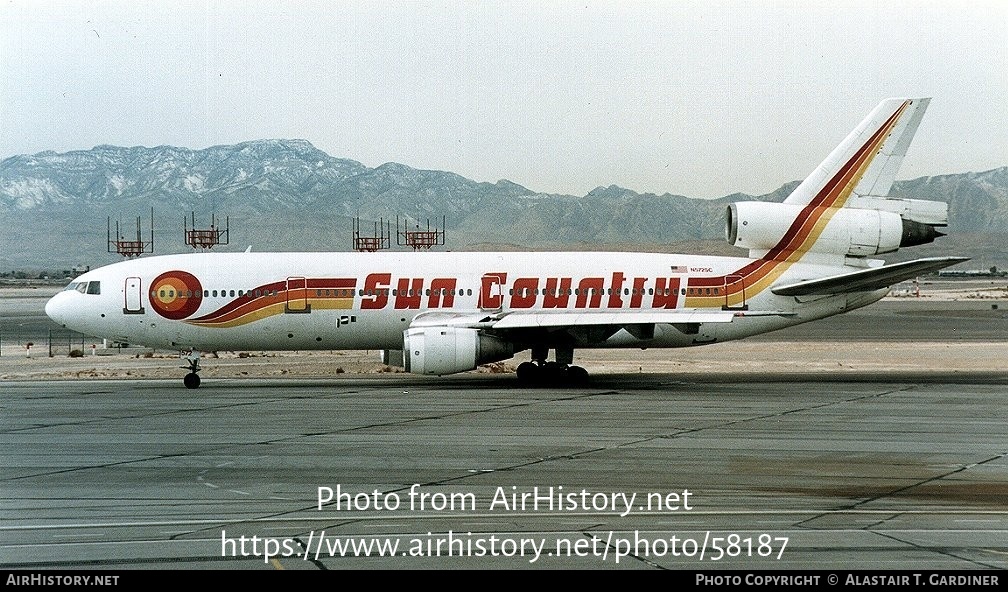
84 287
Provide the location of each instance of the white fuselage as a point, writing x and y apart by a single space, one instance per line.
332 301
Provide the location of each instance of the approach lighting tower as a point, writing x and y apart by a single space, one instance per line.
130 248
420 239
206 238
381 239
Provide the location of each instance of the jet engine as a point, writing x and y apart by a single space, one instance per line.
760 226
447 350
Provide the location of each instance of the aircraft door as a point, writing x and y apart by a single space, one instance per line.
132 294
491 297
297 296
735 293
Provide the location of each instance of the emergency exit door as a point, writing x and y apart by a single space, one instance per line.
133 297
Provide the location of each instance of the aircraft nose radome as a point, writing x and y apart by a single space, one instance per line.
54 310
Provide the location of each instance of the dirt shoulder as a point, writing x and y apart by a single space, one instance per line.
729 358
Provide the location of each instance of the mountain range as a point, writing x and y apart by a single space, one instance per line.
289 195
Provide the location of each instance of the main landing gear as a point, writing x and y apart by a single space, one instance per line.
191 380
539 371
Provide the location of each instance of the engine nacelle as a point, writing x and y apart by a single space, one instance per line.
857 232
447 350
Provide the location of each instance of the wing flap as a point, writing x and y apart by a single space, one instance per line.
866 280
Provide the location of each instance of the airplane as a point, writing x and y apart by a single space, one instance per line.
441 313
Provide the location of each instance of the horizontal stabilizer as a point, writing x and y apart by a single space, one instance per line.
866 280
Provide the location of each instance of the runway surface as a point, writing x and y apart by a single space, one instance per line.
782 471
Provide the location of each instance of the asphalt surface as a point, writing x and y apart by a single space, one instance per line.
781 473
876 469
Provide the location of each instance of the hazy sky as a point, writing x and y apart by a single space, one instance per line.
698 98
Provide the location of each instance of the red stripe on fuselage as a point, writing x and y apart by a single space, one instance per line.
250 302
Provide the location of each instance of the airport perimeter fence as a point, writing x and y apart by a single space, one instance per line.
36 342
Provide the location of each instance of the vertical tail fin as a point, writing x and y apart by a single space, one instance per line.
866 162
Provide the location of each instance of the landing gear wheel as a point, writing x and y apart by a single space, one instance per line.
553 371
550 374
191 380
576 374
528 372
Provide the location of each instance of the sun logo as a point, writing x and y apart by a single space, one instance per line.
176 295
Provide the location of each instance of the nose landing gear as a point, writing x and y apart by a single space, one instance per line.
191 380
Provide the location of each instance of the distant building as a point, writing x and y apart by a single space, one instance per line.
973 273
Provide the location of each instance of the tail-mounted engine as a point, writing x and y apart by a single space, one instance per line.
447 350
867 226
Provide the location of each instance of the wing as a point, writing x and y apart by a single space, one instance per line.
560 319
866 280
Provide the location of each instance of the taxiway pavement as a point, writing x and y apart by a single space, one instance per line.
783 472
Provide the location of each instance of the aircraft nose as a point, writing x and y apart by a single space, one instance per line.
54 309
